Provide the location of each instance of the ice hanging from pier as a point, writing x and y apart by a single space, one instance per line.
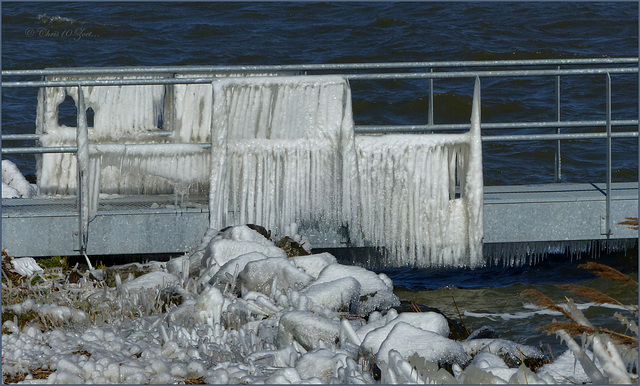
421 196
283 152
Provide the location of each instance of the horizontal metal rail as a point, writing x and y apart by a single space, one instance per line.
315 67
375 76
377 129
486 138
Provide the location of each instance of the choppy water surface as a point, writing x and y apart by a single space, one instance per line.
40 35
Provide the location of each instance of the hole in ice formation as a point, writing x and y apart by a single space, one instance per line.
67 112
90 113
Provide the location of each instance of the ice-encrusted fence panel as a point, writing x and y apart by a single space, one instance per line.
134 115
421 196
282 152
122 114
192 105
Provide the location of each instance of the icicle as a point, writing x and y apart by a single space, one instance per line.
277 151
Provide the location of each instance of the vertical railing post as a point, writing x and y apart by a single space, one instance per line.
431 99
558 165
608 201
82 157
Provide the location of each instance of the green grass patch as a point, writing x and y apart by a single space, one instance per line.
54 262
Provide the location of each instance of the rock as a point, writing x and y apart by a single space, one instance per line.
484 332
228 273
509 351
291 247
259 276
262 230
314 264
126 271
338 295
307 329
320 363
376 290
427 321
408 340
456 330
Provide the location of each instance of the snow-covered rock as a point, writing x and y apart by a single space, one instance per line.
376 290
427 321
308 329
337 295
408 340
13 182
278 273
314 264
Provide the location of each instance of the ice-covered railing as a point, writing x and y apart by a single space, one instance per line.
135 115
122 114
282 152
421 195
185 91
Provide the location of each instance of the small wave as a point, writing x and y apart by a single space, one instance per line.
204 30
56 20
539 311
523 55
385 22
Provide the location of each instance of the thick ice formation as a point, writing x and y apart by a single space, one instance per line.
25 266
281 152
121 114
421 196
14 185
193 106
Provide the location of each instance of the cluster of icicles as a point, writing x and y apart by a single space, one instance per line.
283 150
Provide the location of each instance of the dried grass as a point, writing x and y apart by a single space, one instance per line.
574 329
542 300
607 272
7 270
590 293
194 381
631 221
35 373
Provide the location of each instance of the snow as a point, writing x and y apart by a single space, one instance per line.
25 266
14 185
295 330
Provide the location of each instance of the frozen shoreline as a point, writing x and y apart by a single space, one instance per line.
238 310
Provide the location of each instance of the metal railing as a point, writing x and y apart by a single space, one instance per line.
374 71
